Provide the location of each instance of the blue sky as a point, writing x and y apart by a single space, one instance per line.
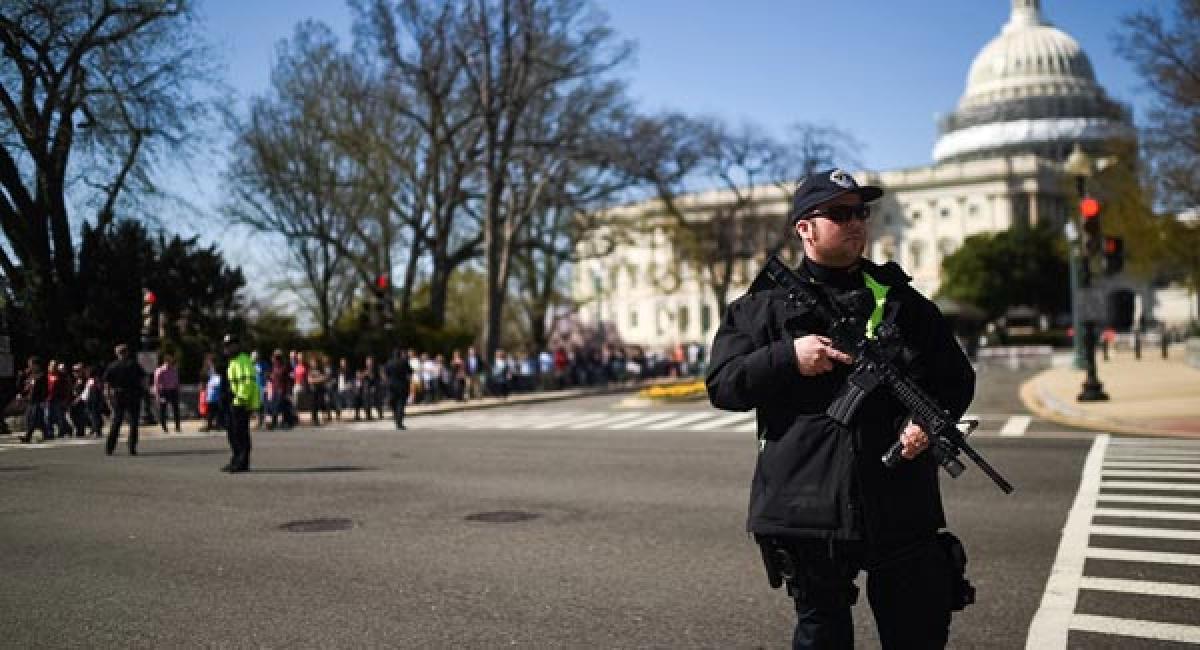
881 69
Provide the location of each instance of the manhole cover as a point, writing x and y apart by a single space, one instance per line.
502 516
323 525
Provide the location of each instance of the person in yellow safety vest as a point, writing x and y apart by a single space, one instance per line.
244 393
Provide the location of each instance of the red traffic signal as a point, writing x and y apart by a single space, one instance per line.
149 298
1089 208
381 282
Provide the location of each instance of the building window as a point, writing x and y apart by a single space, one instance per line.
945 212
916 215
887 218
705 318
613 276
633 318
633 271
914 252
973 209
683 320
946 246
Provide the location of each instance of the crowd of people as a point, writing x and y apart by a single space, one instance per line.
63 403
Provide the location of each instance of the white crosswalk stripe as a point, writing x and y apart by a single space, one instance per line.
1132 480
650 419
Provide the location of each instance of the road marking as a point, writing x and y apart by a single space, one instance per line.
1148 514
1150 557
725 421
571 420
1141 587
1133 473
1145 498
645 419
1155 444
1150 465
1049 626
605 423
1135 628
1152 486
1178 456
1016 426
1148 533
680 421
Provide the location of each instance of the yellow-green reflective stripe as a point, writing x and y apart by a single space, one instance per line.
880 292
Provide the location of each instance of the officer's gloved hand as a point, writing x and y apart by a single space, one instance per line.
815 355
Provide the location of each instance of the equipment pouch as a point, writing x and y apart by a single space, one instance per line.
962 592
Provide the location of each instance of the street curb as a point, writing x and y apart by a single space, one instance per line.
1042 403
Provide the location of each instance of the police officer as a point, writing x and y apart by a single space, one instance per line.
124 383
823 506
244 397
399 378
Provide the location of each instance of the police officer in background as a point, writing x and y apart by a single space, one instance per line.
823 506
124 383
399 378
244 397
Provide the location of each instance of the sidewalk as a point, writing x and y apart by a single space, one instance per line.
1153 396
193 425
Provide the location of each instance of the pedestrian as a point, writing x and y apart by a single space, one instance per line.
166 391
823 507
458 376
124 381
502 375
57 400
315 389
280 388
476 372
399 377
93 397
243 398
78 409
368 385
35 386
345 386
262 370
212 398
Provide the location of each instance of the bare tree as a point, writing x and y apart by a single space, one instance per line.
94 94
527 60
1167 55
720 191
290 180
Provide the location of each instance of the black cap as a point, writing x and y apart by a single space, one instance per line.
230 339
822 186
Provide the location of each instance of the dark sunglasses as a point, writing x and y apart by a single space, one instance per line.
843 213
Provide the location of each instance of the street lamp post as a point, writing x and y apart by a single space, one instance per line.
1079 165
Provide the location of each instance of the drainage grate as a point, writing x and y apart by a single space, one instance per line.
502 516
323 525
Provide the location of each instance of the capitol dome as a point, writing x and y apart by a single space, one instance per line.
1030 90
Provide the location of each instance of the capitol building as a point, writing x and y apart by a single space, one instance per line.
1031 97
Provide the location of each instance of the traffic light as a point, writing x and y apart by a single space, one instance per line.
383 300
1093 238
149 320
1114 255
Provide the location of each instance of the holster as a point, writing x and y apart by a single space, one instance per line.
823 583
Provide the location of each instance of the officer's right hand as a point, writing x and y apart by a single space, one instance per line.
815 355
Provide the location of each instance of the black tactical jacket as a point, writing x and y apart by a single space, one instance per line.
815 478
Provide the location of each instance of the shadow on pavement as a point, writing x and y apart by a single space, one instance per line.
309 470
185 452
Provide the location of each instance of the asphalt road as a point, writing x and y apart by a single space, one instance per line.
629 537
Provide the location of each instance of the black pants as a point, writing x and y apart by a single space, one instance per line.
909 591
168 397
122 409
397 402
238 433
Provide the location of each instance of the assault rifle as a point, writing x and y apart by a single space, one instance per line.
875 366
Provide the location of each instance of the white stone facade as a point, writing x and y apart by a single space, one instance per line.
1031 95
